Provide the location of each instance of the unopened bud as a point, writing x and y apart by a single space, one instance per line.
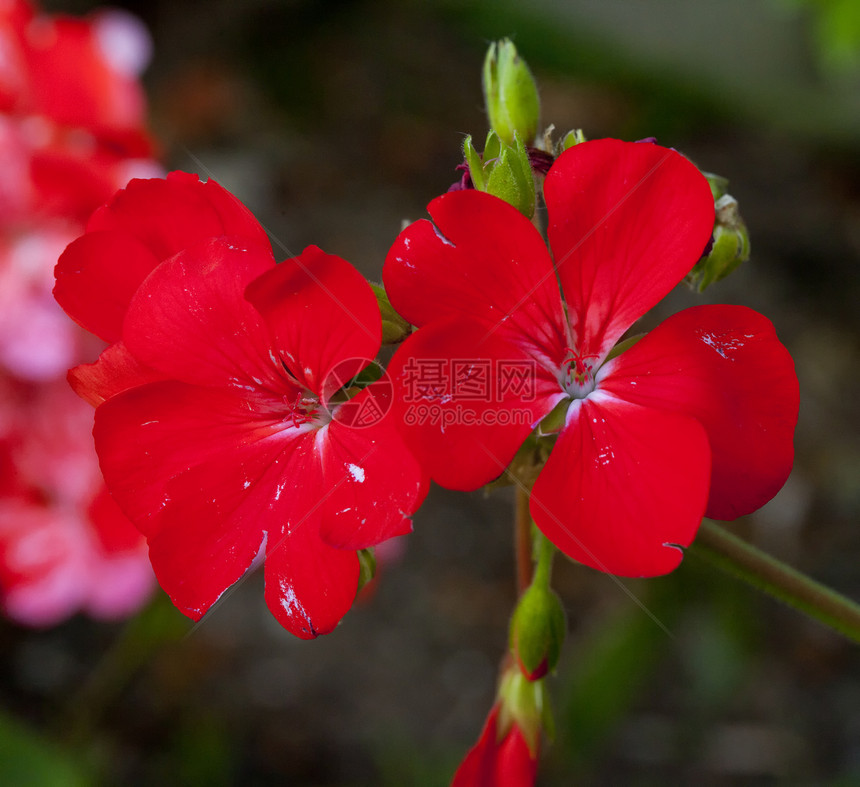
730 244
719 185
538 627
510 94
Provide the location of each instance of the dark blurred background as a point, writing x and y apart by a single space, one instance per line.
336 121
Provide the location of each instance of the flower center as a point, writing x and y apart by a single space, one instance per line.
577 373
301 409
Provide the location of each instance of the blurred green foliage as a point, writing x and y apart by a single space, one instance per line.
836 26
29 759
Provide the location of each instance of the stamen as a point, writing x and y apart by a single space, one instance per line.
577 368
302 410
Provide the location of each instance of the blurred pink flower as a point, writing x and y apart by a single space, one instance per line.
72 131
64 544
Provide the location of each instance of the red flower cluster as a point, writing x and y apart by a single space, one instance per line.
71 132
695 419
220 423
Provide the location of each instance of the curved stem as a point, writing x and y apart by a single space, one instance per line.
762 571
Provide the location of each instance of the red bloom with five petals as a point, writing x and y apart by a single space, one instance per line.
697 418
215 427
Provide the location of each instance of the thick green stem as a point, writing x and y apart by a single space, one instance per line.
766 573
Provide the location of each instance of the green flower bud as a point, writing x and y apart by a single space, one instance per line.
538 627
731 244
394 328
510 93
719 185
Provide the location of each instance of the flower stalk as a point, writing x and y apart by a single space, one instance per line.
523 539
764 572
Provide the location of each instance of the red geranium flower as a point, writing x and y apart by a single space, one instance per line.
217 432
695 419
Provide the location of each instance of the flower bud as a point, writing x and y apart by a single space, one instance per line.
510 94
538 627
730 245
719 185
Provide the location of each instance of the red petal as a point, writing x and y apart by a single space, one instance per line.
724 366
169 446
96 276
177 212
515 765
190 320
115 533
309 585
205 474
115 371
145 223
627 221
321 312
622 485
373 483
458 408
479 766
210 481
482 260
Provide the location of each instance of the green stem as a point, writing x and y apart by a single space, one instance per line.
746 562
544 551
